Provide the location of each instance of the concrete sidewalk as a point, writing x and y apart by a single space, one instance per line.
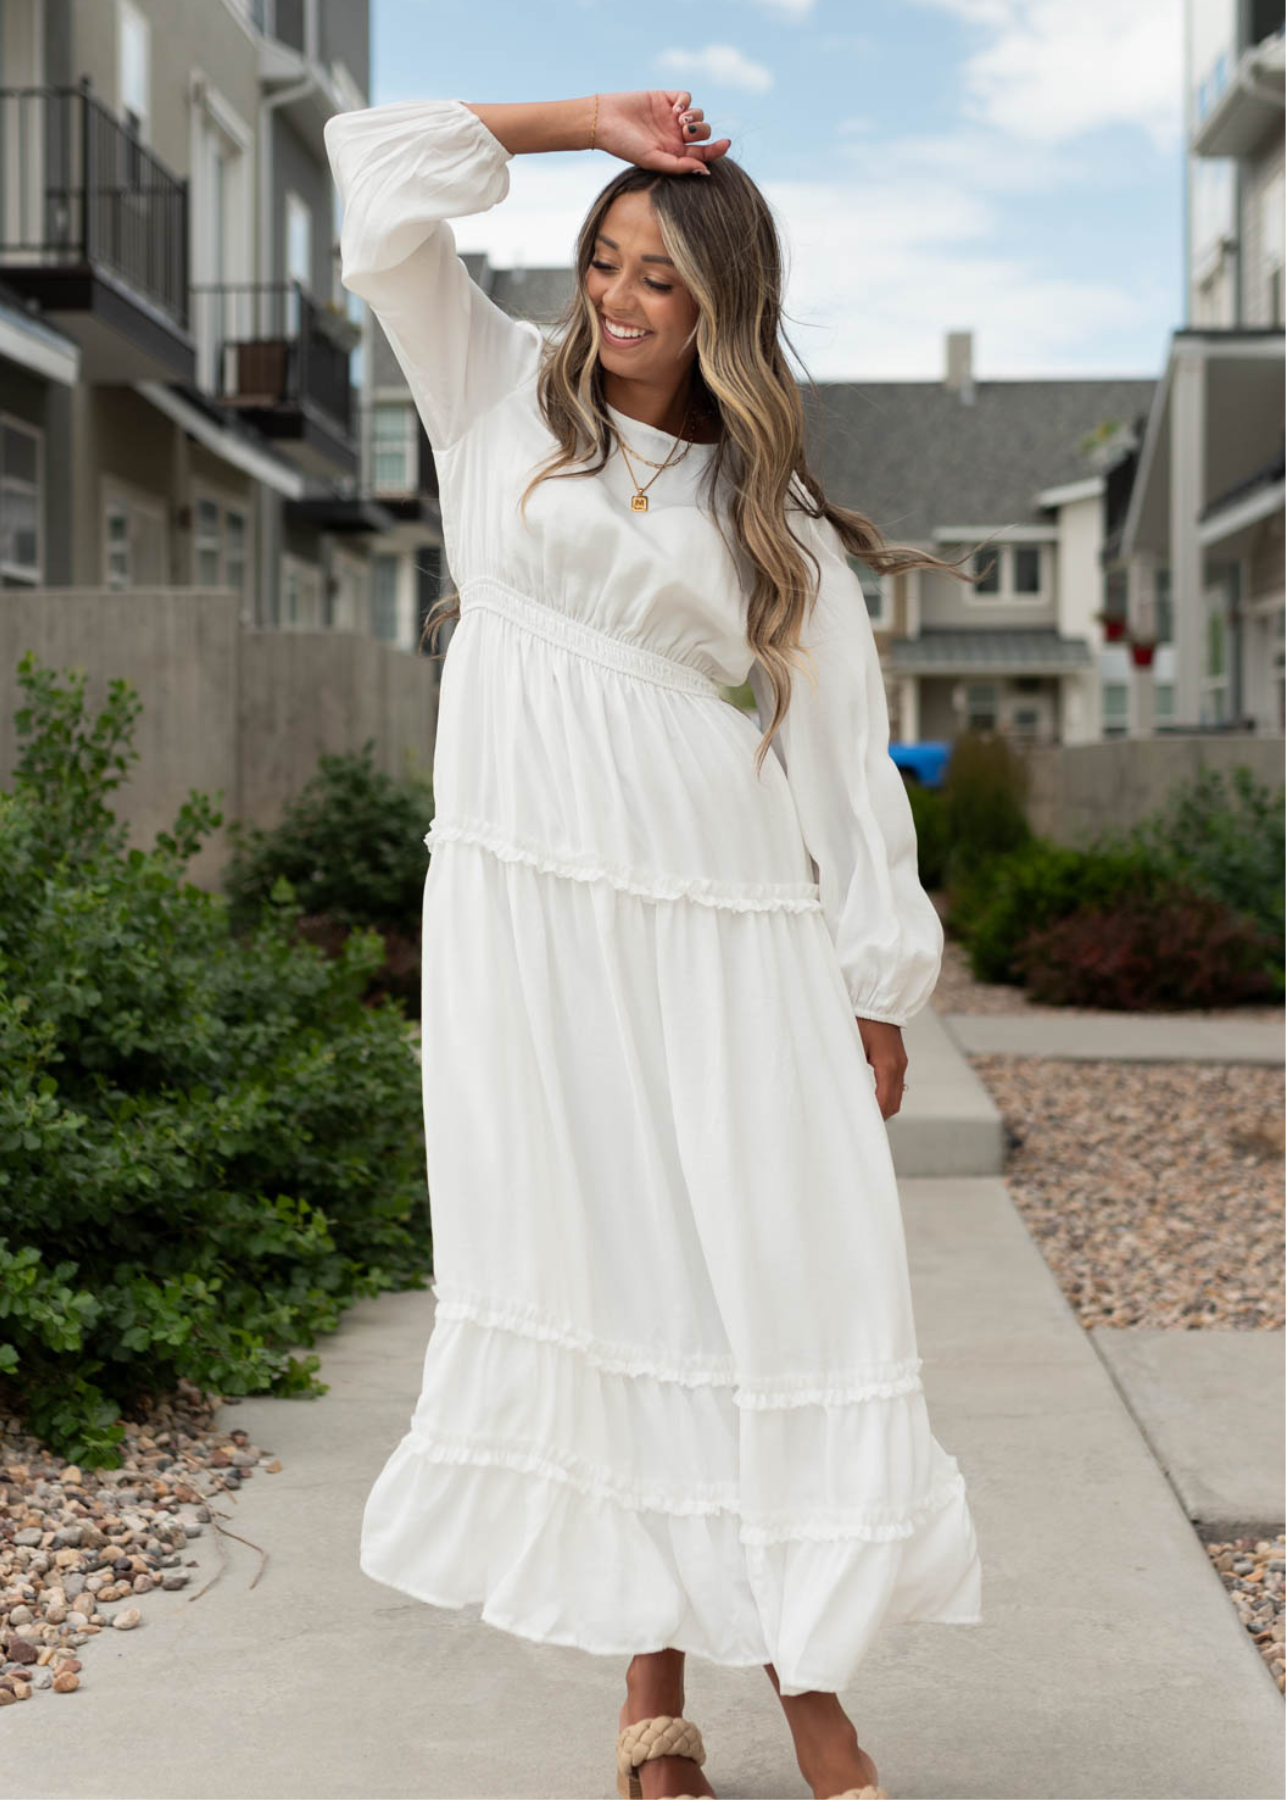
1211 1405
1110 1661
1119 1037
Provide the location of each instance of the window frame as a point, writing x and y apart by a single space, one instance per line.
411 445
17 572
1005 594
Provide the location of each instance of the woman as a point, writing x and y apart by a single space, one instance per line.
671 1397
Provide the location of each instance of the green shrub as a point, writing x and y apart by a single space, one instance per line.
984 791
929 811
1225 838
350 843
1153 952
209 1146
1002 901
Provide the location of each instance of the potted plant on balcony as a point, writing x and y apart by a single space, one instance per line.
1113 626
1142 650
342 331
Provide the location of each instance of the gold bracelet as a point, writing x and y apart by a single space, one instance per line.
594 127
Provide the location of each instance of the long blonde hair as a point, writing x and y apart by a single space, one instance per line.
721 234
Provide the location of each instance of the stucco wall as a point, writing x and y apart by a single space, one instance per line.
246 711
1077 790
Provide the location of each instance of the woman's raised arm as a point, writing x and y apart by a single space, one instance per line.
403 171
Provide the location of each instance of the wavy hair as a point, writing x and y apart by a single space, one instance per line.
723 239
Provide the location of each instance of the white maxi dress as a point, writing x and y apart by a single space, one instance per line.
671 1394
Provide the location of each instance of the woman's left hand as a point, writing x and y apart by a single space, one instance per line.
887 1056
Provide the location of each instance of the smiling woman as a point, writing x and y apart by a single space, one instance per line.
672 1398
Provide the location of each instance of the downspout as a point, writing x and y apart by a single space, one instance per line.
268 105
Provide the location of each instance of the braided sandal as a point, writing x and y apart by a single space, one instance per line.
662 1735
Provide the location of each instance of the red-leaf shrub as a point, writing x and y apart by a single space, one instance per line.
1169 951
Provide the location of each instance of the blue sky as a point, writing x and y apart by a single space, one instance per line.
1009 167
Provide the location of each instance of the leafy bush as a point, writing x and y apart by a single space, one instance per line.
984 793
351 845
1225 838
929 811
209 1146
1149 952
1033 887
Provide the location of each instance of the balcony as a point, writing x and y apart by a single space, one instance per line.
94 229
1249 110
271 354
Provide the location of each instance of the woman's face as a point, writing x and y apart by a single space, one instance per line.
631 282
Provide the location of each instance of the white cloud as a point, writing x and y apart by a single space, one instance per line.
1052 70
788 9
722 64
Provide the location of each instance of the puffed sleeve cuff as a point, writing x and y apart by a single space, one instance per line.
402 167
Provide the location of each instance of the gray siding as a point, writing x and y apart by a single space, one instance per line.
344 28
294 167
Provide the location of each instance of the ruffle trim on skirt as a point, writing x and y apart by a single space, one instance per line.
551 1563
871 1381
873 1524
648 884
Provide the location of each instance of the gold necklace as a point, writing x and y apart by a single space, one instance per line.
638 499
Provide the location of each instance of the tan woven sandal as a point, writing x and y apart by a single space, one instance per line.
662 1735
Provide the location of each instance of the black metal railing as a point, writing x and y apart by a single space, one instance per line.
268 346
79 189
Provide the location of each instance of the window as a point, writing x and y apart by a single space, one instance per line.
207 545
1116 707
300 594
1026 568
1009 572
21 473
980 706
234 551
872 588
134 69
986 566
135 543
299 242
384 599
394 448
220 541
116 536
1164 608
1163 700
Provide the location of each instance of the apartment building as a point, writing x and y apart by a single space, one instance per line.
1194 555
185 387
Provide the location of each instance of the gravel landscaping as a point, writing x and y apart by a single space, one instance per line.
1153 1189
1252 1571
76 1543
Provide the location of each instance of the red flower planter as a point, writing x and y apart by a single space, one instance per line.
1141 654
1113 630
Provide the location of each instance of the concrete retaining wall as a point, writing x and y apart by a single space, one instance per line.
1078 790
224 706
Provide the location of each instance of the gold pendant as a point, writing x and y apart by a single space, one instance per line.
639 502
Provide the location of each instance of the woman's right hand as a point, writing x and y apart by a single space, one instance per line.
648 128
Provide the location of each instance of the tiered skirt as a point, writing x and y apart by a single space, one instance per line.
671 1393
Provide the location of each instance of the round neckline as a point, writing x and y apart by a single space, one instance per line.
662 438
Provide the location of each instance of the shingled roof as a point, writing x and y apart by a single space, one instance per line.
914 455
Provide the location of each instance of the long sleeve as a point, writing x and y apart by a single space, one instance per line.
851 800
402 171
